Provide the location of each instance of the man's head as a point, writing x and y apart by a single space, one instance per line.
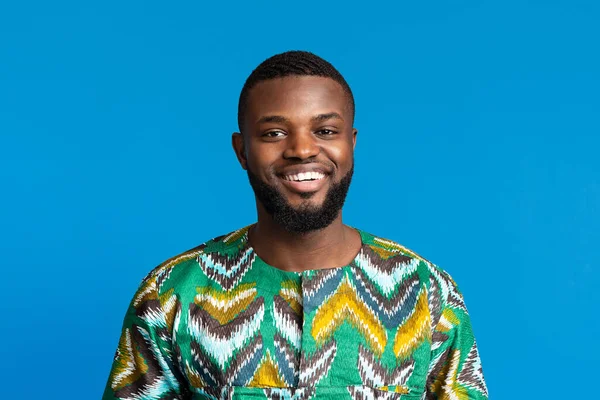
290 63
297 141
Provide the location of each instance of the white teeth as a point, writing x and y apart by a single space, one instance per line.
304 176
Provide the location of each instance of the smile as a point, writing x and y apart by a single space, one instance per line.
304 182
304 176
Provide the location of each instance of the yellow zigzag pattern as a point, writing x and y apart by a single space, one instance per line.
343 305
130 364
185 256
415 330
147 291
291 292
168 302
267 374
447 321
225 306
389 248
194 377
445 384
233 236
395 389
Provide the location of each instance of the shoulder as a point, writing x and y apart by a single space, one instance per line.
394 254
389 248
184 267
437 280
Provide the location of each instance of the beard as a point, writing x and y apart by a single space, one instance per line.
307 217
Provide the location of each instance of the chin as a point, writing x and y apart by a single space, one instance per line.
306 200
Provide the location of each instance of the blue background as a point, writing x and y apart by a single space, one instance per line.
478 148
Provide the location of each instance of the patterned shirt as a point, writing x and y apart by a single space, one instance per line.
217 322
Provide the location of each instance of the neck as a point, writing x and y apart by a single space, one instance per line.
333 246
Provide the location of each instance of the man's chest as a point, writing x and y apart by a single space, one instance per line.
306 337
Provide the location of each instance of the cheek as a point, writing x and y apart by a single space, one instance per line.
341 154
260 160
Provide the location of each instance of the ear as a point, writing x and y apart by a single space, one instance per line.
237 142
354 133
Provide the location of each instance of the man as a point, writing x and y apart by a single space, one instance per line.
298 305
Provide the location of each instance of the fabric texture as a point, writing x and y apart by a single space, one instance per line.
217 322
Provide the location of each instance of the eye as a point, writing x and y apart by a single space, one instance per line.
273 134
326 132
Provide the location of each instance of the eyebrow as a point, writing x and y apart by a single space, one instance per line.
317 118
325 117
273 118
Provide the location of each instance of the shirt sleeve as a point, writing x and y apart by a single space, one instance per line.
455 368
144 365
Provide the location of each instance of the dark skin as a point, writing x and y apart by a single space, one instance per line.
293 125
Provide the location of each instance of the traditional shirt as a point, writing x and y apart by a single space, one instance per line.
217 322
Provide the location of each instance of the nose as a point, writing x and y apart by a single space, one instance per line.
301 145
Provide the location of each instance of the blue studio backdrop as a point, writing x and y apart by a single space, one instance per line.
479 130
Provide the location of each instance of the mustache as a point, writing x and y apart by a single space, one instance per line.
327 166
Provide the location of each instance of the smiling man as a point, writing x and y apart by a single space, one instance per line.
297 305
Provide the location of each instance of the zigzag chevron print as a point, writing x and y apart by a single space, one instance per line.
217 322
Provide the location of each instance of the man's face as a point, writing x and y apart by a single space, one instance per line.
297 147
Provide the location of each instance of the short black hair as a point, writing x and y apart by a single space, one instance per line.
290 63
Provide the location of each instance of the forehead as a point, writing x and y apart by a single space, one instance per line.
296 95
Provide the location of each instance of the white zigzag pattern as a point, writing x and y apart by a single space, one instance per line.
223 348
220 268
374 379
131 366
474 363
171 381
225 304
288 328
448 289
387 281
325 359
